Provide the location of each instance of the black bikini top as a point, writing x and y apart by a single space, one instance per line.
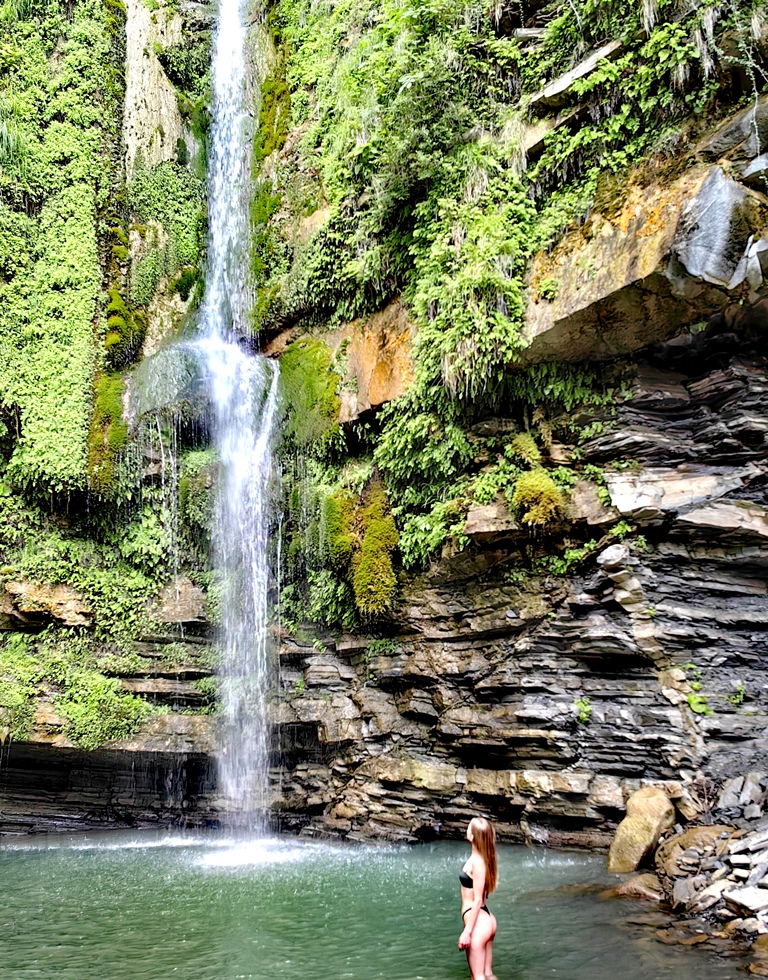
464 880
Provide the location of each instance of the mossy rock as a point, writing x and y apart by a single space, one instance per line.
536 493
309 391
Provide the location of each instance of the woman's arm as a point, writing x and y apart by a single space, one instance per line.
478 900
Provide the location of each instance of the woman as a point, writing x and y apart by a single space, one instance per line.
478 880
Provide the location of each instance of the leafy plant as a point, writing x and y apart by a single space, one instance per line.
583 708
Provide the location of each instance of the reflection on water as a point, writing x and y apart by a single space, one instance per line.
146 907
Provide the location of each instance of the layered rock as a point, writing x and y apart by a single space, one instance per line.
543 701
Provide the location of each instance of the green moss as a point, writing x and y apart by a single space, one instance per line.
337 540
309 392
108 434
274 116
537 495
188 65
186 282
524 447
126 329
196 493
374 578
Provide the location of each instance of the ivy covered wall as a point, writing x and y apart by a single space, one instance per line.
60 144
414 150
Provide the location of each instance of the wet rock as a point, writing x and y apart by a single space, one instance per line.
685 890
715 227
646 887
489 521
649 814
755 174
744 136
180 602
730 793
649 493
739 518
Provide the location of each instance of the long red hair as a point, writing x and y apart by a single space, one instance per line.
484 839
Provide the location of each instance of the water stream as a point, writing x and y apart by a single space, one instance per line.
151 907
243 391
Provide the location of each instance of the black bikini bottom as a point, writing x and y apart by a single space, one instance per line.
483 909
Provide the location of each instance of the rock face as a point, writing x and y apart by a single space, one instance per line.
152 123
374 355
547 703
649 814
29 607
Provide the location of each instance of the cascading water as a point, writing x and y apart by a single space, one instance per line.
243 391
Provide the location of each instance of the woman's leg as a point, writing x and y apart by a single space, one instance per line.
489 974
482 935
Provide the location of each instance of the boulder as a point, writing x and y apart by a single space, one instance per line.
649 814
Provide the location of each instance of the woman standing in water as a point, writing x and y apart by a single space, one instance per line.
478 879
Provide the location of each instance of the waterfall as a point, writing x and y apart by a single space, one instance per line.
243 391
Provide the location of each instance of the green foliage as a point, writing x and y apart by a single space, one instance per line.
596 475
60 118
146 542
422 449
622 529
94 707
583 708
487 485
549 288
565 563
196 492
19 674
382 648
173 196
97 710
422 535
738 695
698 703
537 495
331 601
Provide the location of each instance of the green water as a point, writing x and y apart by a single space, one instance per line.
148 907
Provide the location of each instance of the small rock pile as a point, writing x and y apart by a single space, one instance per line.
713 876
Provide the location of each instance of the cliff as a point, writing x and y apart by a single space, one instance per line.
513 266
